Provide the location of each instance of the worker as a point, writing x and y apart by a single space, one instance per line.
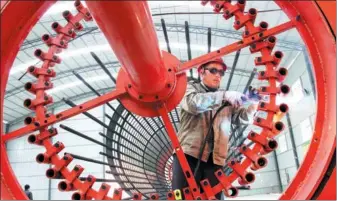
199 104
28 192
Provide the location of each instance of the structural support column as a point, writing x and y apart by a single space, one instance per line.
278 171
310 73
292 139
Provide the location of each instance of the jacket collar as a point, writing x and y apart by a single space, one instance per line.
208 89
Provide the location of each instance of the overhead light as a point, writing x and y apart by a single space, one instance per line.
103 48
5 122
63 55
77 83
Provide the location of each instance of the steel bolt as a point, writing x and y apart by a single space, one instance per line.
129 86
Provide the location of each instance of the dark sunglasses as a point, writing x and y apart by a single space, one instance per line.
214 71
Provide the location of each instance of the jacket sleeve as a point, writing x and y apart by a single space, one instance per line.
195 102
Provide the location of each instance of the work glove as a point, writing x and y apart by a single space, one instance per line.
236 99
253 95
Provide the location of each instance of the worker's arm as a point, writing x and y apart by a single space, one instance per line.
195 102
245 113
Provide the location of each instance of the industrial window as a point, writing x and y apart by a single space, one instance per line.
297 91
306 130
282 144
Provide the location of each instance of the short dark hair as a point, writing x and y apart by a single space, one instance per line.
27 187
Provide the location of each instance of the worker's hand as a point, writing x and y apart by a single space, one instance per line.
253 95
236 99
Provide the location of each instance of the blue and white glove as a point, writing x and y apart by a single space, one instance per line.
253 95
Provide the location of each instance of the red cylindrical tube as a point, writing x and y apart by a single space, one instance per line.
65 186
282 73
263 26
141 59
67 15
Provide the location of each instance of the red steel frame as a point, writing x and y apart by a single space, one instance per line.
17 20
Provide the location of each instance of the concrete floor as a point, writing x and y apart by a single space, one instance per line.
257 197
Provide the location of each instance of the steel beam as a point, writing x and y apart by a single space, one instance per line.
237 55
165 35
251 77
310 73
225 33
292 140
188 43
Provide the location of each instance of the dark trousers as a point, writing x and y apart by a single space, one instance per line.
206 171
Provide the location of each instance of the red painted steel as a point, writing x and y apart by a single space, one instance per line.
321 51
136 46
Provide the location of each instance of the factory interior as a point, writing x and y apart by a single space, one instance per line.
97 100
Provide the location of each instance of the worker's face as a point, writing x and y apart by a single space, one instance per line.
212 74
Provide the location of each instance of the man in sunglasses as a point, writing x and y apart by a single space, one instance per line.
198 107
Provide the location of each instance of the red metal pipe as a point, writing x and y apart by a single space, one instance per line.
128 27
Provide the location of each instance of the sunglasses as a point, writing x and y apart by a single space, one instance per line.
214 71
